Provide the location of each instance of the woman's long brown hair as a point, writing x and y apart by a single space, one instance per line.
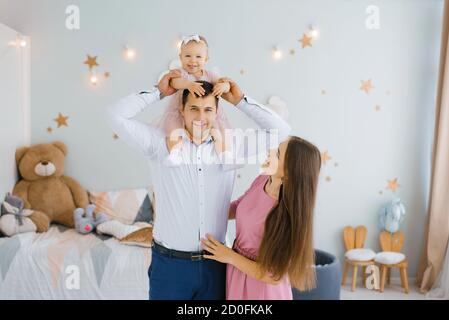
287 243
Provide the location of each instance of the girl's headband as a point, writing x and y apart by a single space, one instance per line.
187 39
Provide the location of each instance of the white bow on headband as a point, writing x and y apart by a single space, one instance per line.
187 39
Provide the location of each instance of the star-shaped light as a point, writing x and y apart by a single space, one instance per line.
366 85
305 41
91 61
61 120
325 157
393 185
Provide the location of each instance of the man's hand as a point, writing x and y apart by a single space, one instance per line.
235 94
164 84
196 88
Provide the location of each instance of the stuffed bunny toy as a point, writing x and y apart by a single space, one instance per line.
85 221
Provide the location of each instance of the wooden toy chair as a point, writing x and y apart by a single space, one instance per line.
356 256
390 257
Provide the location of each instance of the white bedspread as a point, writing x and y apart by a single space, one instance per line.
63 264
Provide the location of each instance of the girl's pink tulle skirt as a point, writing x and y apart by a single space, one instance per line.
172 120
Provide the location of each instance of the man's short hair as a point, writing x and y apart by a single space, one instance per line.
208 89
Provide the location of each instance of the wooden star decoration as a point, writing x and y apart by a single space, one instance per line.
305 41
61 120
325 157
49 130
393 185
366 85
91 61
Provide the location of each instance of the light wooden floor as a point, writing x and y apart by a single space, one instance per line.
391 292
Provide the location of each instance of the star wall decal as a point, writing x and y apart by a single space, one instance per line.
91 61
325 157
61 120
366 86
306 41
393 185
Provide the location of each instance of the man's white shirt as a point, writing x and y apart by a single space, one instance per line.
192 186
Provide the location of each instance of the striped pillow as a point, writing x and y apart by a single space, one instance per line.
127 205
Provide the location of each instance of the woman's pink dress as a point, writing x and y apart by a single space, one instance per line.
252 208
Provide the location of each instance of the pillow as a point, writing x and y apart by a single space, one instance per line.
127 205
390 258
142 238
360 254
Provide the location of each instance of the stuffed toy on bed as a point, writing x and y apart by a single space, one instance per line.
14 218
85 221
52 196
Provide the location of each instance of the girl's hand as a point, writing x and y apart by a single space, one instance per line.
218 251
196 88
235 94
220 88
164 84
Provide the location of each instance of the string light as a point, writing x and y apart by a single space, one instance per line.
19 42
178 44
93 79
129 53
313 32
277 53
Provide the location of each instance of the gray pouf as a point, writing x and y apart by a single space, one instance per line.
328 274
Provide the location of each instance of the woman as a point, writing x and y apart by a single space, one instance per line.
273 249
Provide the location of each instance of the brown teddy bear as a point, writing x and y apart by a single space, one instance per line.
52 196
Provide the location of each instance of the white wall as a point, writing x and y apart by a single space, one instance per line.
14 105
367 147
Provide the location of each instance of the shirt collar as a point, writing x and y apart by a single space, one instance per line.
186 137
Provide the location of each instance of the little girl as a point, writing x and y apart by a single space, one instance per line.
193 55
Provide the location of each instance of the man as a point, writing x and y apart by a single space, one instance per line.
193 196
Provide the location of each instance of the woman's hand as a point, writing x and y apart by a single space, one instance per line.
220 88
218 251
164 83
196 88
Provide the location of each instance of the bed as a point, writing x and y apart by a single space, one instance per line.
63 264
